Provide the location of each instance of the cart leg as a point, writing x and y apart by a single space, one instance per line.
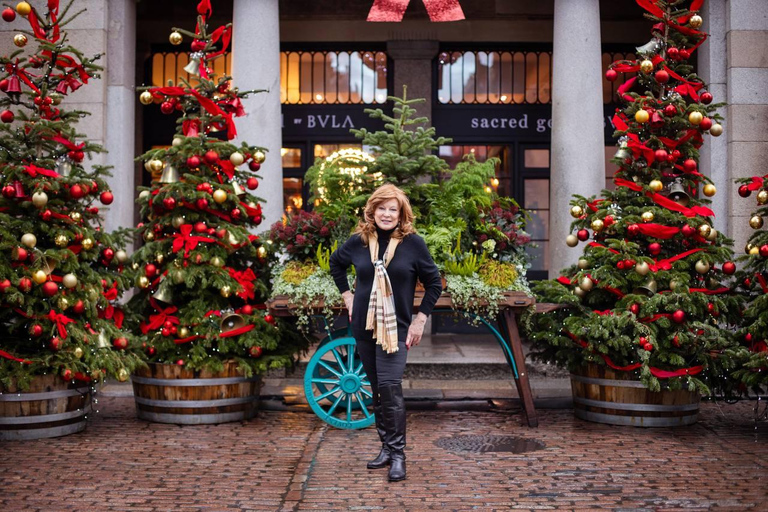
508 323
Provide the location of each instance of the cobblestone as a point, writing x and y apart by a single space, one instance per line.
291 461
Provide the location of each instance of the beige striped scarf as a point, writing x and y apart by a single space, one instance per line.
382 319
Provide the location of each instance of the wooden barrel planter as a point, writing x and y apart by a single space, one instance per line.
602 395
166 393
50 407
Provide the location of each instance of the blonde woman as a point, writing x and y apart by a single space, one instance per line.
388 257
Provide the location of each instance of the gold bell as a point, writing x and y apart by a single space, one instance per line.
648 288
193 66
231 322
678 194
237 189
170 175
622 154
48 266
164 293
63 167
103 340
649 48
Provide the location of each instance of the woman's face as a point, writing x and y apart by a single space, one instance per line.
387 214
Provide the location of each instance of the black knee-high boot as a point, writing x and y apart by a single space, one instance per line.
393 409
382 459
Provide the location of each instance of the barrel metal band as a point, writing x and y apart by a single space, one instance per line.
608 382
636 421
195 403
47 395
44 418
635 407
195 419
192 382
42 433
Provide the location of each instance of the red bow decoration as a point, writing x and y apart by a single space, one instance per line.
666 264
245 279
186 240
204 8
658 230
112 293
61 322
158 319
757 182
34 170
116 315
763 284
394 10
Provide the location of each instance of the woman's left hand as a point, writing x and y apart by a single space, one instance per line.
415 331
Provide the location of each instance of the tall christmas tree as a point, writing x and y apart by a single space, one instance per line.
753 371
202 276
648 295
60 274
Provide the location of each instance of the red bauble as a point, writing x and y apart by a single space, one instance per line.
151 351
66 374
661 155
76 156
36 330
120 343
9 191
211 157
689 165
236 213
611 75
269 319
688 231
706 98
109 253
676 154
25 284
743 191
633 229
201 203
654 248
684 54
9 14
620 265
7 116
582 235
678 316
200 187
710 307
676 341
662 76
246 310
167 107
197 45
180 362
55 343
50 288
221 233
201 227
169 203
705 124
748 337
764 251
4 285
165 331
255 351
670 111
79 307
211 231
634 309
76 191
20 254
150 270
252 183
673 53
729 268
4 85
642 340
648 347
106 197
608 221
254 166
193 161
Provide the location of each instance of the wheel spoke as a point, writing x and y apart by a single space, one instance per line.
325 381
349 407
339 360
327 367
362 405
350 357
359 369
365 391
335 404
333 391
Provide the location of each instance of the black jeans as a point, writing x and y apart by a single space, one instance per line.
383 369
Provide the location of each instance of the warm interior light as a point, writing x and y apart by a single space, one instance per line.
356 161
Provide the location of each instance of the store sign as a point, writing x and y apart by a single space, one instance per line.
326 120
492 122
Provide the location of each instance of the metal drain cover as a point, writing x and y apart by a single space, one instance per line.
490 443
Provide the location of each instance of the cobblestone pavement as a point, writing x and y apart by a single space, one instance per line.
293 461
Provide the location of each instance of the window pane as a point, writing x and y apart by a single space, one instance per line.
283 77
355 77
381 77
531 77
293 78
610 167
369 77
494 77
538 226
318 78
305 78
457 77
158 70
545 80
536 194
343 73
468 76
481 77
537 158
518 78
330 78
291 158
507 75
540 255
292 198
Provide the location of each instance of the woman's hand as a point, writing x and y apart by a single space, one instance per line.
349 299
415 331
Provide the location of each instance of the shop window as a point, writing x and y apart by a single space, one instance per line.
502 182
326 150
536 158
291 158
293 199
536 192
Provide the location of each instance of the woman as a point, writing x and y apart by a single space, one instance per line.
388 257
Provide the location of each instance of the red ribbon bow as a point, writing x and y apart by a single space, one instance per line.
61 322
244 278
186 240
158 319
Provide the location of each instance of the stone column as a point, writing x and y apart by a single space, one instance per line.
746 127
256 65
413 67
577 155
120 117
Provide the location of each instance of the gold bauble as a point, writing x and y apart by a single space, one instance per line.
709 190
56 98
40 199
144 194
702 267
571 241
259 157
160 258
236 158
762 197
175 38
647 216
39 276
63 303
754 251
183 332
597 225
577 211
656 185
748 248
121 256
96 375
579 292
225 291
23 8
220 195
583 263
704 230
217 262
673 285
122 375
20 40
69 280
78 352
29 240
149 236
756 222
93 294
716 130
177 221
146 99
60 240
586 284
695 21
87 243
646 66
142 281
177 141
642 116
76 216
261 252
642 268
156 165
177 276
712 236
695 118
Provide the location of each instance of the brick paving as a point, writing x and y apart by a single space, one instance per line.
293 461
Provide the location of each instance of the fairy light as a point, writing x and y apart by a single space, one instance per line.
355 164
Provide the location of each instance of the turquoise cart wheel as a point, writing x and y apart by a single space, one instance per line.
336 386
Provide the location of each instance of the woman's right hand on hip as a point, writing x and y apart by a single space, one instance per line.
349 299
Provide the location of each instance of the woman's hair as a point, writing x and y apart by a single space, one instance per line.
367 225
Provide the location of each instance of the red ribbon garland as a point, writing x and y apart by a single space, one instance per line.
394 10
658 230
7 355
237 332
34 170
707 291
666 264
763 284
596 244
179 341
757 182
61 322
666 202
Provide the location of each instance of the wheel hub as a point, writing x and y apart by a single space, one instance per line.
350 383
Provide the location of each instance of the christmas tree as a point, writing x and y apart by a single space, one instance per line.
60 275
202 276
648 294
753 280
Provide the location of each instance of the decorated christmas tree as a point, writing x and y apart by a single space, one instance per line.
60 274
650 293
753 371
201 274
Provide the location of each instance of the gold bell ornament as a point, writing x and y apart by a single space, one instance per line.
648 288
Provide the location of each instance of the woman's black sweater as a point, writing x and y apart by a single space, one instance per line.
411 261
